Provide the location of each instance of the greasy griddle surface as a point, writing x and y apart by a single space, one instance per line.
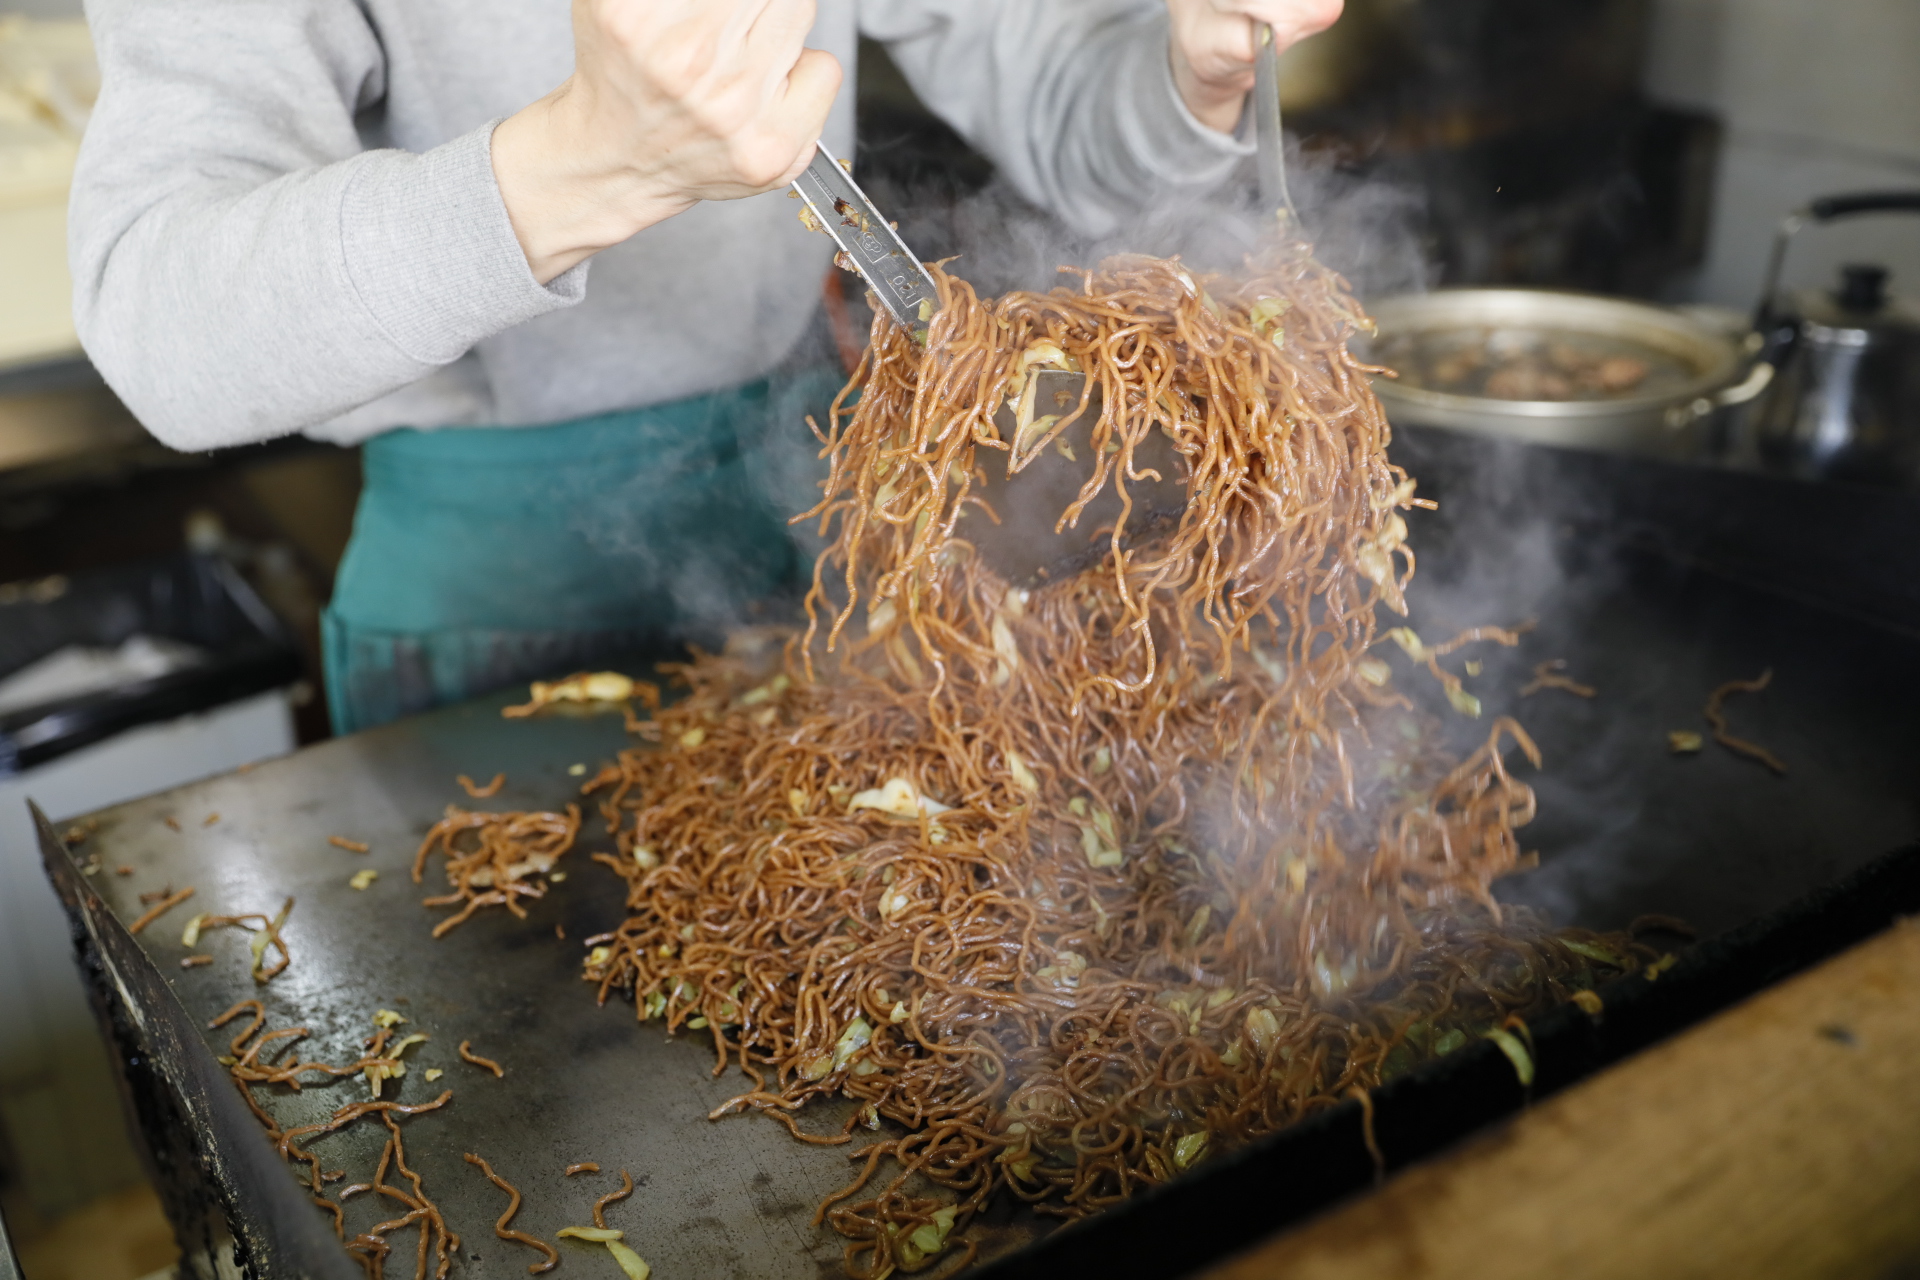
1624 829
583 1082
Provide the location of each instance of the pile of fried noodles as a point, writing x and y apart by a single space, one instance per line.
1071 887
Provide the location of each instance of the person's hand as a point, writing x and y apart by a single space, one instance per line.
1213 48
671 102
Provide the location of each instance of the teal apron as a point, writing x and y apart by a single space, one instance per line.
487 556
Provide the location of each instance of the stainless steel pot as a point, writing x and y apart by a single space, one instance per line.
1692 369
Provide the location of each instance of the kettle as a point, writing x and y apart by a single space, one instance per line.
1844 402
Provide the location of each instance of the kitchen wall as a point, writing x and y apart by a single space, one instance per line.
1817 98
42 8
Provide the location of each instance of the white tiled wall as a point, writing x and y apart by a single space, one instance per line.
42 8
1819 96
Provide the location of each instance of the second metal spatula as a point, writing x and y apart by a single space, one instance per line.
1025 547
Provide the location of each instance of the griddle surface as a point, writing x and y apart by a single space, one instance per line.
733 1197
1625 829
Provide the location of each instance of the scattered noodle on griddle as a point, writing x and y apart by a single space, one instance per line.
1551 674
468 1055
1080 886
494 859
614 1196
168 901
1717 718
501 1229
369 1248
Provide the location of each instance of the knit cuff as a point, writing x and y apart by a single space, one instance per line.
431 252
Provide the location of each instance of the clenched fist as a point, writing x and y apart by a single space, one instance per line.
671 102
1213 48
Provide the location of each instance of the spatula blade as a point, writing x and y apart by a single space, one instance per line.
1023 547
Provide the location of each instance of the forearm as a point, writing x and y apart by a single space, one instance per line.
564 204
242 267
224 315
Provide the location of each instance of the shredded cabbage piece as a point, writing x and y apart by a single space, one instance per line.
600 1235
852 1040
1593 951
898 798
630 1262
1516 1053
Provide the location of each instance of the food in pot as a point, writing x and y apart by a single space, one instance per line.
1527 364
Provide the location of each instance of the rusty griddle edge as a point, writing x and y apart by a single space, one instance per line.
232 1205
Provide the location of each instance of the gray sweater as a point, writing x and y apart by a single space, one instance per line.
285 216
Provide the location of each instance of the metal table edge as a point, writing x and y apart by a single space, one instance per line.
235 1211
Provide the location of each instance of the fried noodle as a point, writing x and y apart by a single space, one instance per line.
1081 885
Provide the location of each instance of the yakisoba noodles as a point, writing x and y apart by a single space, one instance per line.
509 853
1079 886
381 1058
1716 717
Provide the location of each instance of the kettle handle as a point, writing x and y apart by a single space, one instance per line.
1825 209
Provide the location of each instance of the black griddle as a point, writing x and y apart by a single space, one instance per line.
1645 577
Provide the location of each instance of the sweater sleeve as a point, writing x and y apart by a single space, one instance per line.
242 267
1073 99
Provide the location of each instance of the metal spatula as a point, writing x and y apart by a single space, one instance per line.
1270 150
1024 547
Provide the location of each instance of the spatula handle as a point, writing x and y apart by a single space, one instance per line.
896 277
1269 143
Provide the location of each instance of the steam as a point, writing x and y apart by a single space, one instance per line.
1495 554
1369 230
700 533
703 530
1512 544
